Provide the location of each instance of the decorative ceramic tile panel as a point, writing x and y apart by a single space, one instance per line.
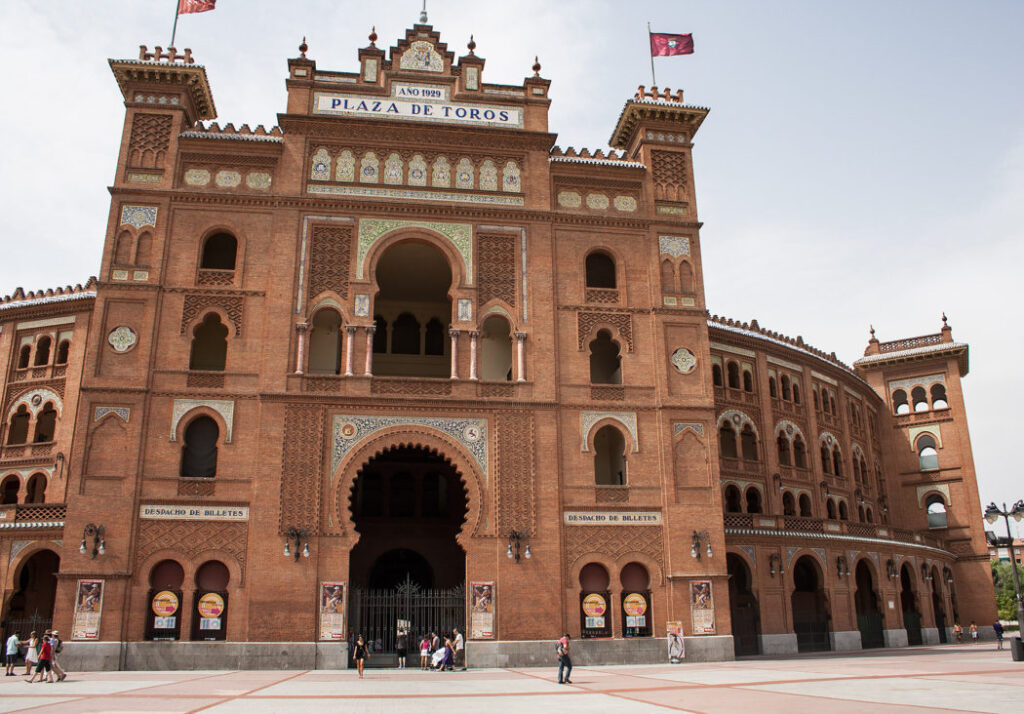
362 308
624 203
351 429
597 201
228 179
417 171
627 419
679 427
119 274
684 360
790 429
465 310
472 78
738 419
370 70
197 177
410 195
422 56
488 176
122 338
124 413
510 178
394 171
373 229
464 174
224 407
674 246
259 180
346 167
909 384
751 552
441 174
569 199
35 400
369 168
321 169
138 216
671 210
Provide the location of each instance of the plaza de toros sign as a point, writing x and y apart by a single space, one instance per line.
612 518
418 103
176 512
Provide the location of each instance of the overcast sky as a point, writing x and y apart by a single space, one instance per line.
862 162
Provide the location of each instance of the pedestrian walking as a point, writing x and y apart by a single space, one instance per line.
32 654
11 653
425 652
974 633
435 642
460 650
58 645
997 627
564 659
401 647
448 662
959 632
44 665
360 654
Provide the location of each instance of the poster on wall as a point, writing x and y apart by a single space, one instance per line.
481 624
211 608
702 607
594 608
676 643
332 611
88 607
165 610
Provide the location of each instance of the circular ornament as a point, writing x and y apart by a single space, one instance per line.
471 434
348 430
211 605
594 605
122 338
36 400
634 604
597 201
165 603
684 360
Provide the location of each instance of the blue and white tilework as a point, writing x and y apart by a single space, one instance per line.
679 427
674 245
138 216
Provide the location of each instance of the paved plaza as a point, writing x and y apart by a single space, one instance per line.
947 679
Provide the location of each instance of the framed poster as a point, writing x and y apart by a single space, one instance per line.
332 611
88 608
702 608
481 623
676 643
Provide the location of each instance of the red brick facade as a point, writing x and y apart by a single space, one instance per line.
405 303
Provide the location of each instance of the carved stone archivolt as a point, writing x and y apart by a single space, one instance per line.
193 538
301 467
613 542
587 321
515 473
197 303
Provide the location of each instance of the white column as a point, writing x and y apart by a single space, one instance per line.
473 336
520 356
300 357
454 334
350 338
368 366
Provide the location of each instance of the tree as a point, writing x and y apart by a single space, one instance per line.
1006 597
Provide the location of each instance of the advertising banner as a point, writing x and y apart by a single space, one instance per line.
332 611
210 607
702 607
88 607
594 609
165 610
676 643
481 625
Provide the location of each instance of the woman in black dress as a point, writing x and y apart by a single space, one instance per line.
359 654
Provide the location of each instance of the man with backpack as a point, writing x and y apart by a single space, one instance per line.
564 660
57 645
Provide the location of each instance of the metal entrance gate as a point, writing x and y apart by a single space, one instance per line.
374 614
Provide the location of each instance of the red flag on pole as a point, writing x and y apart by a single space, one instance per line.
666 45
187 7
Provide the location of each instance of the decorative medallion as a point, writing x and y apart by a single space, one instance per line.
569 199
258 180
122 338
684 360
597 201
228 179
674 245
37 399
625 203
471 433
422 56
138 216
197 177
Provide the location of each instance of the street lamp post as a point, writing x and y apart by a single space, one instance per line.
992 513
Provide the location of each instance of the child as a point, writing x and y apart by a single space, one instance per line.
45 654
425 652
974 634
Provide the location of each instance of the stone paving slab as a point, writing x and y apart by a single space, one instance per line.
919 680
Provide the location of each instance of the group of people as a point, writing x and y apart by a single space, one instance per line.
441 652
997 628
40 653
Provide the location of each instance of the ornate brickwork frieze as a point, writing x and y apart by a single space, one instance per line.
669 173
301 467
460 235
150 138
192 538
613 542
196 303
497 271
329 258
515 476
587 321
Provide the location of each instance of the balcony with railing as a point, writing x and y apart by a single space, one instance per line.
32 515
794 526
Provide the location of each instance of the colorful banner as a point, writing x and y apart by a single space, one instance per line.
594 608
635 607
165 608
676 643
702 608
332 611
88 608
481 623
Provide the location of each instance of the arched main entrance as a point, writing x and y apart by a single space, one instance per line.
869 615
908 603
408 504
35 589
743 608
810 611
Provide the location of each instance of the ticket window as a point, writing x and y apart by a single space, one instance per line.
635 601
595 601
210 602
163 618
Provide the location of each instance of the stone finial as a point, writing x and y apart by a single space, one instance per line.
302 48
947 331
536 66
373 35
471 45
944 318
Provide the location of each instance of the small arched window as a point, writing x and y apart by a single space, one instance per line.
837 461
787 394
9 490
748 443
869 515
939 397
817 404
920 399
927 455
863 470
899 402
17 431
796 392
686 278
799 452
748 381
784 451
771 388
788 504
605 361
209 344
753 500
600 269
405 335
43 351
433 337
63 350
727 441
609 457
733 371
805 506
844 513
830 507
832 404
123 249
496 350
219 252
35 492
860 513
732 499
716 374
325 343
199 453
668 277
826 458
380 335
143 250
46 424
25 356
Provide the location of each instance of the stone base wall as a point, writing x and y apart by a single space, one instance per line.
896 638
779 644
846 641
648 650
106 656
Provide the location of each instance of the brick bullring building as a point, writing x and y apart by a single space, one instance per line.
401 361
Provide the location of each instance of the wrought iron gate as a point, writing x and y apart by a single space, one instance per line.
26 625
374 613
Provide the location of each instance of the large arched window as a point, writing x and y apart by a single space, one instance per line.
496 350
788 504
46 424
837 462
43 351
733 371
716 375
936 511
727 441
380 335
732 499
927 456
325 343
939 397
605 362
17 430
920 399
844 511
219 252
199 452
600 269
753 500
900 405
405 335
783 448
209 344
799 452
748 443
24 356
609 457
9 490
35 492
805 506
434 337
830 507
826 458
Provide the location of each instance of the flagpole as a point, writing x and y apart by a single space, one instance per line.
174 30
654 82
